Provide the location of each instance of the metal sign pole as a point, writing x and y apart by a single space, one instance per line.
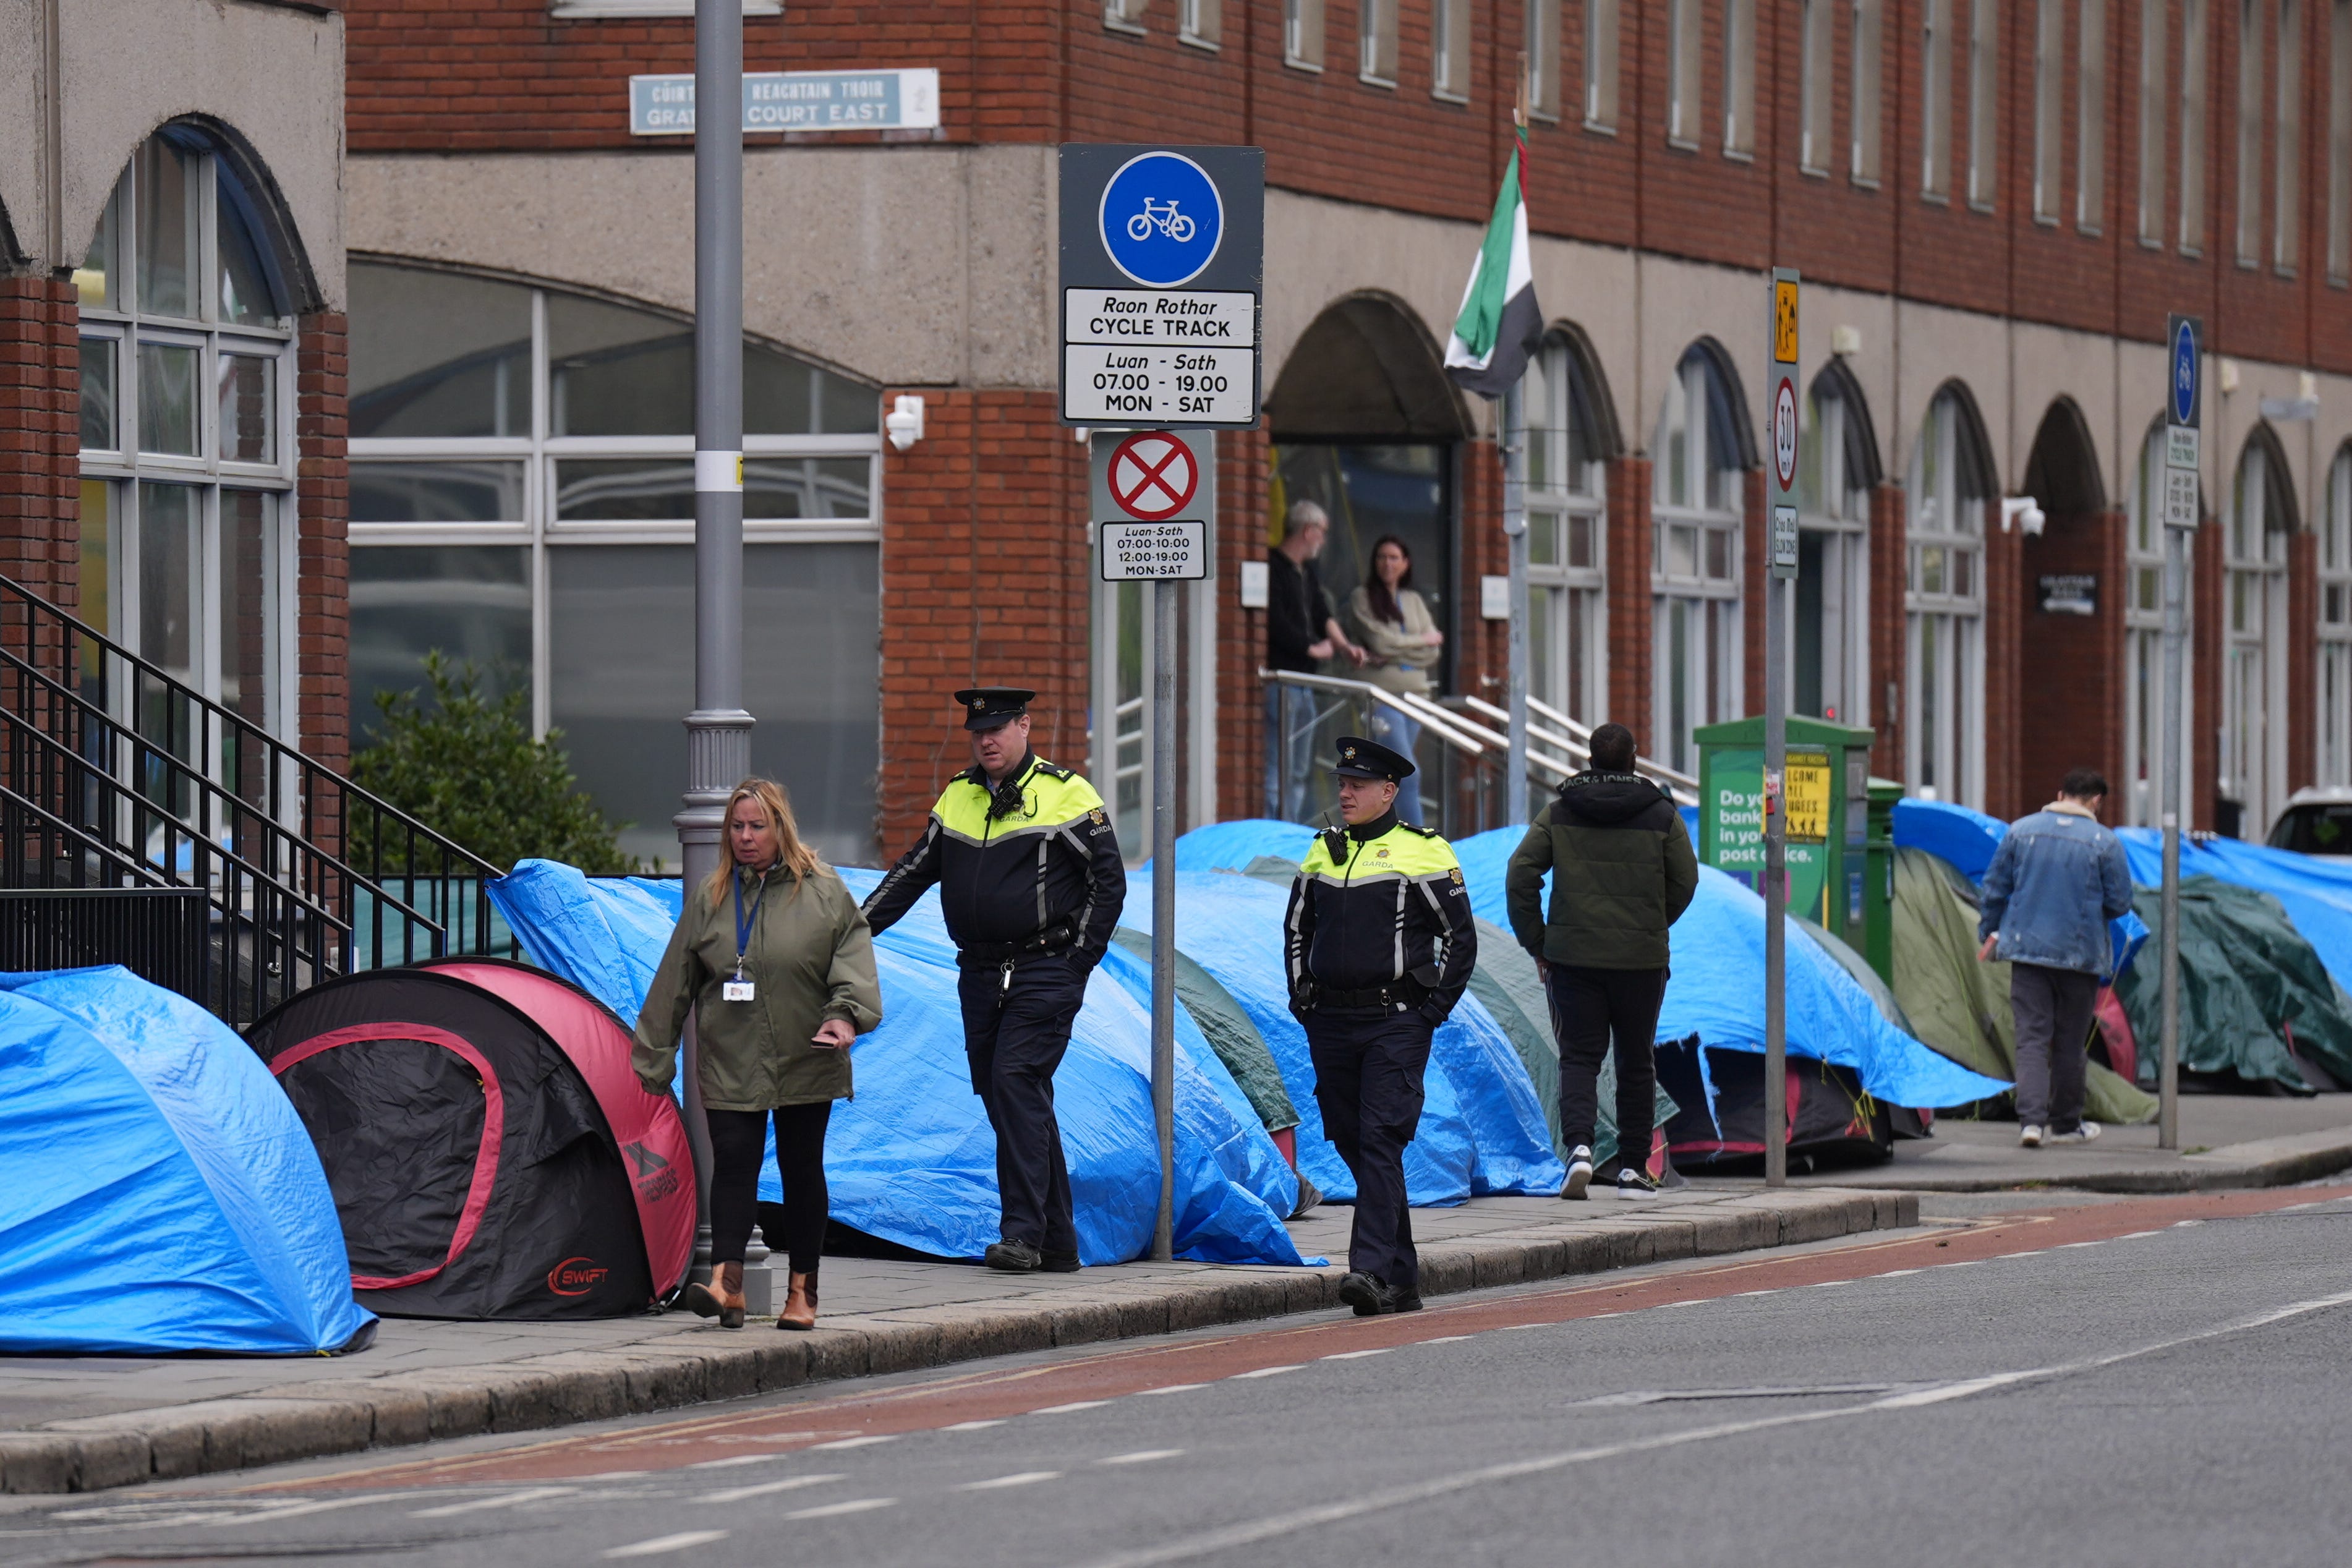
1163 906
1515 531
2183 458
1782 565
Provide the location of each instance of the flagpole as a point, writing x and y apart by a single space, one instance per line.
1514 532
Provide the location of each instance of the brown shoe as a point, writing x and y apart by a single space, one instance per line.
721 1299
800 1303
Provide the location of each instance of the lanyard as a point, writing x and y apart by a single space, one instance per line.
743 923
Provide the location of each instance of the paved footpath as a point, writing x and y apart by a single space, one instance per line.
85 1423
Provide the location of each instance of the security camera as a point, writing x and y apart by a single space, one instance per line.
904 423
2022 511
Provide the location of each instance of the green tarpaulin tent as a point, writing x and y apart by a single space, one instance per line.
1229 1032
1959 1006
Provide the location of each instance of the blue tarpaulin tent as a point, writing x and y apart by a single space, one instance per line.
1967 838
157 1192
2315 889
911 1159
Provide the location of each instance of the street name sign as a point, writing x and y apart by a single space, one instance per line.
1162 252
894 98
2183 408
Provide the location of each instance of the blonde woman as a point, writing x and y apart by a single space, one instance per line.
776 960
1402 640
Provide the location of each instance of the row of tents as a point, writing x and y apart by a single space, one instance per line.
464 1139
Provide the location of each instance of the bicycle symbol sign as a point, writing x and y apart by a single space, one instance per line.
1153 476
1161 219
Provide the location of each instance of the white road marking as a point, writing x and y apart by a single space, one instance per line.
1073 1404
503 1500
1170 1388
1270 1371
1447 1339
662 1544
1229 1538
766 1488
852 1443
2139 1234
1141 1457
1024 1479
299 1509
1825 1284
1898 1273
2036 1253
834 1509
2066 1246
1383 1350
1774 1292
738 1460
971 1425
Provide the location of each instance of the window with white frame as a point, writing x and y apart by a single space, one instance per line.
2287 145
1817 51
2332 680
1376 42
1683 26
2340 142
1601 40
2153 20
2091 116
1936 99
1697 500
1542 45
1863 165
1449 45
2142 805
1828 629
2253 639
1740 77
523 498
1566 502
1984 102
2249 132
2049 105
1943 607
1199 23
1302 35
2192 127
1124 15
188 451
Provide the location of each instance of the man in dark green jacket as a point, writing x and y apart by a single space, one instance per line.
1622 872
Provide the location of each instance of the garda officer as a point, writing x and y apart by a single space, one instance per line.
1031 884
1379 944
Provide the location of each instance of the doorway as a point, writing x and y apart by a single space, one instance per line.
2067 706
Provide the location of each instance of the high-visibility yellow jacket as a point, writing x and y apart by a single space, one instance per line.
1380 906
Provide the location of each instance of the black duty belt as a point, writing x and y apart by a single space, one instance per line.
1397 994
1051 939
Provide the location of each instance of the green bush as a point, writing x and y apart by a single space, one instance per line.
467 768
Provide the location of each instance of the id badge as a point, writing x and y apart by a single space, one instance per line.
736 990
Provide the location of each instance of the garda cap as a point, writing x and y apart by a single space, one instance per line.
992 707
1362 759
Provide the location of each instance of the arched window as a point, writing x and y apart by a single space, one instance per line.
1570 435
187 434
2254 641
2333 677
1699 455
2143 794
522 497
1828 652
1952 478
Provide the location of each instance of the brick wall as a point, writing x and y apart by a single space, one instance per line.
2302 661
40 438
1889 627
322 505
1628 596
1242 508
984 583
2067 706
2004 602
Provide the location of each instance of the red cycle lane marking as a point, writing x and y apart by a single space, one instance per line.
1001 1393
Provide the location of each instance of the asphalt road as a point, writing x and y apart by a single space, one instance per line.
2141 1381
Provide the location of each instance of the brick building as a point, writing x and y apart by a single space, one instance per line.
1994 206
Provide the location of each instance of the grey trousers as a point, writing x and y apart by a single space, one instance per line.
2053 1010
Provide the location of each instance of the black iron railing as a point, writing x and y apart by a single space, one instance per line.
163 934
114 773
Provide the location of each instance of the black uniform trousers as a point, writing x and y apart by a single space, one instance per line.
1368 1084
1587 1005
1016 1038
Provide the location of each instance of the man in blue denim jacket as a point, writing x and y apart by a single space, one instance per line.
2053 885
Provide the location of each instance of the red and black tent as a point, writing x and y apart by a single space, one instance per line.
1831 1120
490 1150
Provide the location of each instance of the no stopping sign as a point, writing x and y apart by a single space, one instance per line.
1153 476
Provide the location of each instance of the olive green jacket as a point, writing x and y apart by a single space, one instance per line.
810 957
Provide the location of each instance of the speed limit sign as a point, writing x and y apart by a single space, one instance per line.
1784 433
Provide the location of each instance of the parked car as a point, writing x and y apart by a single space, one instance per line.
2315 821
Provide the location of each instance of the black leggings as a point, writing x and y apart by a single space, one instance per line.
737 1140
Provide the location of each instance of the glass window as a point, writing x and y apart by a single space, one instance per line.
2286 143
171 540
1696 512
1376 41
1449 44
1543 57
1950 484
1683 64
1864 169
167 204
470 602
2049 104
2250 131
1936 97
437 354
1567 647
438 490
1813 114
2254 627
2333 676
97 394
1739 77
2091 116
1200 22
248 408
2192 126
1984 101
1601 26
95 279
1302 33
167 398
1830 627
2144 549
2339 141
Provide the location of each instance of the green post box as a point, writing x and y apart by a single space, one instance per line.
1831 823
1878 883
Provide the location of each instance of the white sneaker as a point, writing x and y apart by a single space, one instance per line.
2082 1134
2030 1135
1580 1173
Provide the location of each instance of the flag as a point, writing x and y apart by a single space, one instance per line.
1500 323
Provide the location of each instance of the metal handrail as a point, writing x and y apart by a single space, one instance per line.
1449 727
1681 786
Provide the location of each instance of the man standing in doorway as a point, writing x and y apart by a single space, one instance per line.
1301 631
1622 872
2054 883
1030 884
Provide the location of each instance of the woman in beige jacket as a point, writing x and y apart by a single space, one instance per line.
775 958
1398 632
